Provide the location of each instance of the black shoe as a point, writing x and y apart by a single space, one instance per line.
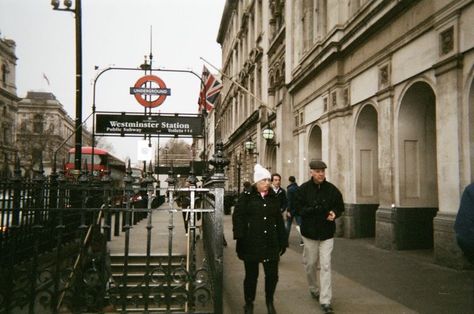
248 308
270 307
315 295
327 309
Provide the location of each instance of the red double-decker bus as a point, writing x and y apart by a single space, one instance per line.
98 162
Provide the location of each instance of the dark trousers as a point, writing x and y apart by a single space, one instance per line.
186 219
251 275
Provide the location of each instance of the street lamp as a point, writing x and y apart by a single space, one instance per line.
78 123
249 145
269 135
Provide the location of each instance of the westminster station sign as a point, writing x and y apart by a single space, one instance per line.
159 124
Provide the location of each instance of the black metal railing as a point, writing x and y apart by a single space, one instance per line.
53 244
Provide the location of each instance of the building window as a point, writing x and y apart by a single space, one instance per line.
345 96
38 124
307 23
6 135
4 74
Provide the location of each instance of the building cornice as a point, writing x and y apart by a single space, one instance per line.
332 49
7 46
10 96
230 6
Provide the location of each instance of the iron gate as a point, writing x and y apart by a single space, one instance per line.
59 252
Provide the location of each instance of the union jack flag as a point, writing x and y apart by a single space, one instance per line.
212 86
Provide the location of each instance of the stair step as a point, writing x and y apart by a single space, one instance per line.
137 301
173 309
151 285
142 258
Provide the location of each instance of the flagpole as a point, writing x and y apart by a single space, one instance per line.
262 103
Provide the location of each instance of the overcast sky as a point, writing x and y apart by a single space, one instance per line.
114 33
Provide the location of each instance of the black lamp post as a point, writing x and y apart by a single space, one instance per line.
239 168
78 122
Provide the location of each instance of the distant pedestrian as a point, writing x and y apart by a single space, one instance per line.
464 224
183 200
279 191
291 210
247 186
261 237
319 203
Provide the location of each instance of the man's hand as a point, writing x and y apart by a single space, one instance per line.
331 216
288 214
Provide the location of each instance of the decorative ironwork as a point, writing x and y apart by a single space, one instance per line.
53 242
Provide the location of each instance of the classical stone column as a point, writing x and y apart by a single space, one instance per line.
449 84
384 217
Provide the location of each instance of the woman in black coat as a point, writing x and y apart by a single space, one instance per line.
261 237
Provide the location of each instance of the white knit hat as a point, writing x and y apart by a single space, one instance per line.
261 173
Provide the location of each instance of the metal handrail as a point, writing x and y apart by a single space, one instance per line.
78 259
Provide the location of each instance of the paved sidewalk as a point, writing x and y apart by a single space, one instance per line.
365 280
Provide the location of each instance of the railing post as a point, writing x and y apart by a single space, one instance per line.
148 182
171 180
38 198
128 194
219 162
59 181
107 187
12 236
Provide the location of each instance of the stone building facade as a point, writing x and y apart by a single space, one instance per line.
8 107
252 36
44 130
381 90
33 128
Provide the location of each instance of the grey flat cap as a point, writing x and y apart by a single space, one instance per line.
317 164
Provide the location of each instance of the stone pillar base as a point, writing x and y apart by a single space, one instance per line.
446 249
384 228
359 220
405 228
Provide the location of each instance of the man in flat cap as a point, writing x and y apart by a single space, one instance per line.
319 203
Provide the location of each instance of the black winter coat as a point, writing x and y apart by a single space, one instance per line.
313 203
281 194
258 226
464 224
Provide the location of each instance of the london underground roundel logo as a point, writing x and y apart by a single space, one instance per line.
140 90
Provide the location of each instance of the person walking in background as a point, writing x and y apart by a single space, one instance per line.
261 237
464 224
247 186
319 203
291 210
279 191
183 200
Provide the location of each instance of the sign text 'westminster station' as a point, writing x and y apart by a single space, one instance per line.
160 124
